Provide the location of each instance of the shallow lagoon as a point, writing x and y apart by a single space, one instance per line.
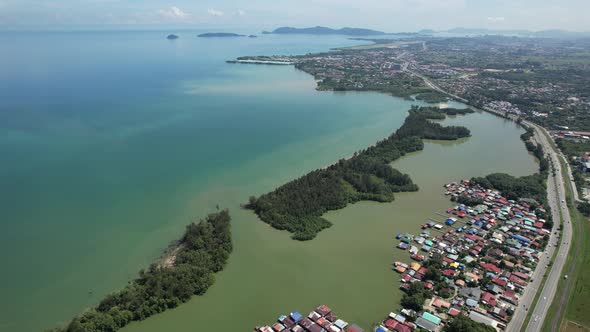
348 265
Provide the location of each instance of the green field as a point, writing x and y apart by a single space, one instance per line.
578 305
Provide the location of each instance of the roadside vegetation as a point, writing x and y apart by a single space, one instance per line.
573 150
298 206
204 250
465 324
530 186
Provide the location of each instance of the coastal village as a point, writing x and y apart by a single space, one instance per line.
483 254
499 80
476 261
322 319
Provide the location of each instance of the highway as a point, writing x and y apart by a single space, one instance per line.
557 201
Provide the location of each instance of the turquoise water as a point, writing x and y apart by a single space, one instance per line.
111 142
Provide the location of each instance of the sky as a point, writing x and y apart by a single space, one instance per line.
385 15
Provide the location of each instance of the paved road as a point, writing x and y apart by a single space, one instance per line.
556 199
556 202
562 297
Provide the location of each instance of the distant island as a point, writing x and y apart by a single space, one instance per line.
219 34
172 37
326 31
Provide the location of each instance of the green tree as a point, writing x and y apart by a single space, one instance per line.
462 323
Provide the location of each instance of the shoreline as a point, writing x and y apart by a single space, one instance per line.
365 320
451 97
205 248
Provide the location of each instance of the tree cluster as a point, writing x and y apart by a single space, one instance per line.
415 296
584 208
204 250
525 187
468 200
462 323
530 186
535 149
456 111
432 97
298 206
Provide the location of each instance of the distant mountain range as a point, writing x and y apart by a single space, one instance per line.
361 32
540 34
326 31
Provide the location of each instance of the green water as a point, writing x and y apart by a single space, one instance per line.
111 142
347 266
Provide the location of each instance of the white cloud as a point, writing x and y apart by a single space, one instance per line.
174 13
240 12
214 12
496 19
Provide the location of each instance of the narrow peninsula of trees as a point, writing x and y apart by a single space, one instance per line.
298 206
203 250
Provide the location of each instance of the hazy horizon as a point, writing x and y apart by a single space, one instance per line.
534 15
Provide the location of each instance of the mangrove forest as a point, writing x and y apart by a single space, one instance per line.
202 251
298 206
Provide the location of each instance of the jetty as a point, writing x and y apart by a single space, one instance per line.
263 62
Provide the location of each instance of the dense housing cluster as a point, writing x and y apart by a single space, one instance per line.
322 319
544 80
477 262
